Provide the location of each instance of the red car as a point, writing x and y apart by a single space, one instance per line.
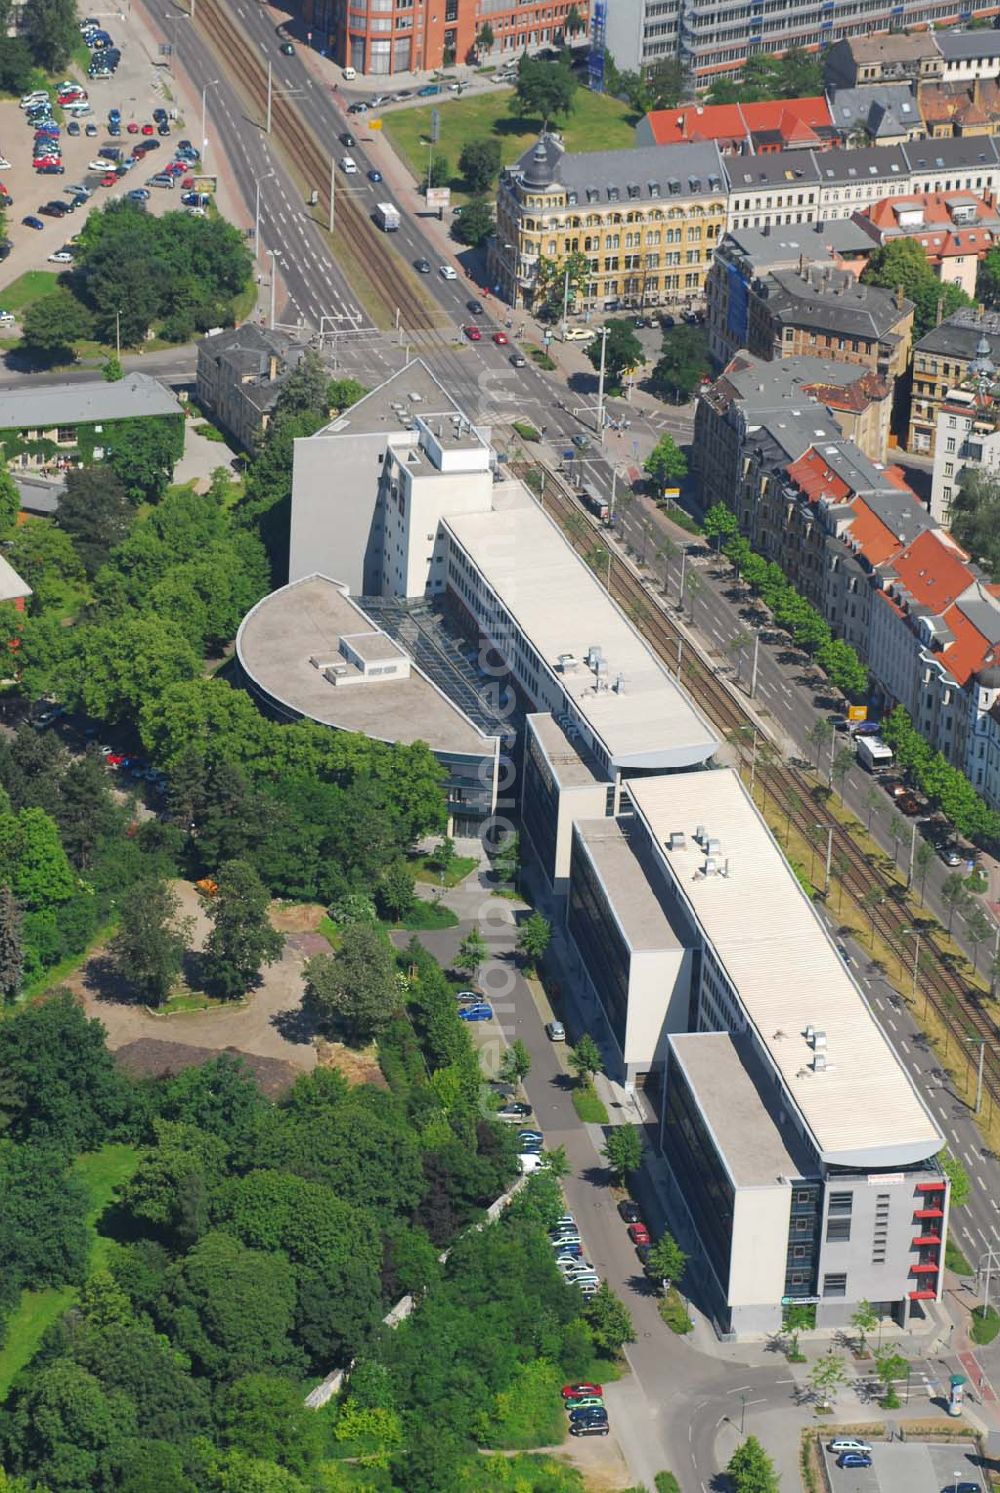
110 179
188 183
638 1233
570 1390
473 334
41 161
501 339
132 127
174 168
147 129
114 760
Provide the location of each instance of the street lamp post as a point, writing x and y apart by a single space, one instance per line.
212 83
600 386
256 214
829 855
916 958
979 1076
274 272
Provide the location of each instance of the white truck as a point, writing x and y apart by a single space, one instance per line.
387 217
873 753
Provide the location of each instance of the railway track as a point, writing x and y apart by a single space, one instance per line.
391 278
957 1007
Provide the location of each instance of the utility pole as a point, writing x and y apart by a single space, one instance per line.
256 215
979 1076
916 958
118 335
913 851
565 298
684 555
333 192
829 849
753 759
268 130
611 507
753 673
204 100
274 272
600 386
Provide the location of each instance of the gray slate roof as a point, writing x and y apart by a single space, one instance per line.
886 109
955 153
964 45
833 301
781 168
44 405
959 333
641 173
870 163
38 494
245 347
761 385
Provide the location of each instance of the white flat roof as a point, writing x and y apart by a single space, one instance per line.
862 1110
561 607
12 587
306 619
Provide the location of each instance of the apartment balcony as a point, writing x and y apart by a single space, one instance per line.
923 1295
926 1213
928 1269
925 1241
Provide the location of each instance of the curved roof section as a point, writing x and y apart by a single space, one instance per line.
287 636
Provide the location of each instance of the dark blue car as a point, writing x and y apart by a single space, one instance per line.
482 1012
854 1459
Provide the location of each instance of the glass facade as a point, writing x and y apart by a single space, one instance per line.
540 805
605 954
803 1239
708 1192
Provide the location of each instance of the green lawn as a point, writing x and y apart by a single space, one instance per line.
102 1171
424 917
29 287
589 1105
596 123
461 867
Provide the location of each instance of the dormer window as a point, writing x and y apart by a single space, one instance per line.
593 195
613 194
654 188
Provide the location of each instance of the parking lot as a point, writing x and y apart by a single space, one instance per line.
910 1467
137 88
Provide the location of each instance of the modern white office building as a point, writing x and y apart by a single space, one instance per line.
405 504
801 1153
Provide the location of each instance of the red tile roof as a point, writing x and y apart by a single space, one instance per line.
815 479
968 653
869 536
933 570
795 120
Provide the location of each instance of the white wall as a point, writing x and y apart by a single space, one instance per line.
760 1245
659 999
412 543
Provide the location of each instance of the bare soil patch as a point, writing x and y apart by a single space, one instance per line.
357 1067
296 917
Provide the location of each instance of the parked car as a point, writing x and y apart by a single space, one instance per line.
849 1444
590 1428
50 168
73 128
584 1402
555 1031
473 333
569 1391
849 1460
32 222
592 1417
515 1111
629 1212
61 256
482 1012
639 1234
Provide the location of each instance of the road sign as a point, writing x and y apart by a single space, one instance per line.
857 712
801 1300
435 126
438 198
671 492
374 124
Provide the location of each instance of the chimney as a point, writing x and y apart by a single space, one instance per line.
272 367
939 317
899 298
977 92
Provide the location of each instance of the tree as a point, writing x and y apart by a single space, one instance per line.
304 389
112 371
683 363
395 891
507 859
865 1318
978 928
242 939
621 351
341 393
266 1417
95 512
515 1065
148 949
872 900
666 463
439 171
975 512
543 90
484 37
475 223
585 1059
843 761
559 282
10 503
16 65
50 27
472 952
443 857
66 1429
890 1365
958 1177
798 1319
922 860
11 948
666 1260
574 22
720 524
820 735
533 939
609 1321
479 164
143 452
56 322
355 989
623 1151
902 264
827 1375
33 857
751 1470
956 894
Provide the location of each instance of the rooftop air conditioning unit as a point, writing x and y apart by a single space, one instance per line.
699 833
819 1041
819 1063
713 846
677 841
711 865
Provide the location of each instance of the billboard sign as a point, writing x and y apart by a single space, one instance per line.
439 198
595 61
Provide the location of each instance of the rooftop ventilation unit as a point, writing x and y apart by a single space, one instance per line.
711 865
819 1063
677 841
699 833
619 684
594 655
713 846
819 1041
